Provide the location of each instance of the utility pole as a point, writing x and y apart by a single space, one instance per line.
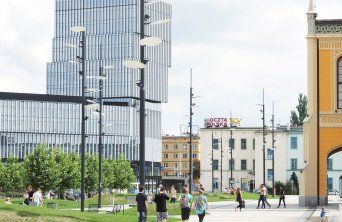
231 157
273 151
263 138
142 97
100 127
212 162
221 164
190 150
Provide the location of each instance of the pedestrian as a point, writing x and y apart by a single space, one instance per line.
141 200
160 200
158 190
322 215
173 194
185 201
38 198
30 193
282 197
261 197
201 205
239 199
265 195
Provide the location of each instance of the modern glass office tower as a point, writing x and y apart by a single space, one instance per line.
112 36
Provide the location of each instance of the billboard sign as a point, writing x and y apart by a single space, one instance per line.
221 122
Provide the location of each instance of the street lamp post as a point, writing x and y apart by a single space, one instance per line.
273 152
263 138
190 135
231 157
82 59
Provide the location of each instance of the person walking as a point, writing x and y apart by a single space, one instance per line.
201 205
265 195
261 197
141 200
173 194
239 199
185 201
282 197
160 200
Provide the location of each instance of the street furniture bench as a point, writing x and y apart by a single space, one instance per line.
52 205
117 208
93 208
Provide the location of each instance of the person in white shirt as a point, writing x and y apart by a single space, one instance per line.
265 196
38 197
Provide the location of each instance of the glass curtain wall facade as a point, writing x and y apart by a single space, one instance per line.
29 119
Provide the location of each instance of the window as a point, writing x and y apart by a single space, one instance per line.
269 174
194 156
175 156
175 146
243 164
184 166
330 183
232 143
166 173
253 164
176 166
269 154
339 84
293 164
194 146
293 142
166 165
166 147
243 144
215 144
166 156
215 164
231 164
253 143
330 164
185 155
185 146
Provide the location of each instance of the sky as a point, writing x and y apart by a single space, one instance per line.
235 48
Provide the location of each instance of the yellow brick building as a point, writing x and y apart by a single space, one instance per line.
323 125
176 155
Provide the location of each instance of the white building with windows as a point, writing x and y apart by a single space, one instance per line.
247 156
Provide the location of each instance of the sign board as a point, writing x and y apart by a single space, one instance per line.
221 122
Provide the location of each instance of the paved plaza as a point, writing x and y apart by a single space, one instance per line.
225 211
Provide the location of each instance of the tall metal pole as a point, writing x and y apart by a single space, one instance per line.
83 136
273 149
231 157
191 105
263 138
221 164
142 97
100 127
212 162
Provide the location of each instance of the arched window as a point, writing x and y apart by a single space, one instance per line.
339 83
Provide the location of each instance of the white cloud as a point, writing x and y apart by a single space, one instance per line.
235 48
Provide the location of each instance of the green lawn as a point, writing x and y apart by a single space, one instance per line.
17 212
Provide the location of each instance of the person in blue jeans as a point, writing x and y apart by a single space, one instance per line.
261 197
201 205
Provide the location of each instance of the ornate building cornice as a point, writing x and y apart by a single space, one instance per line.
329 27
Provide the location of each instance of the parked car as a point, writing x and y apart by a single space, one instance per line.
333 192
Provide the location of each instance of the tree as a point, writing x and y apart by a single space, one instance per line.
69 166
297 119
294 178
12 176
118 174
41 168
91 174
197 169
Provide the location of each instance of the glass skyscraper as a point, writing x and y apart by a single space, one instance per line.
112 36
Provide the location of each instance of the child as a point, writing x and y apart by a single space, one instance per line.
322 215
201 205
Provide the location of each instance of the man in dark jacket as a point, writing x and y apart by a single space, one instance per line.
160 199
141 199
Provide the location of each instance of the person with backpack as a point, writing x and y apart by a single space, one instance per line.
160 200
185 201
239 199
201 205
141 200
